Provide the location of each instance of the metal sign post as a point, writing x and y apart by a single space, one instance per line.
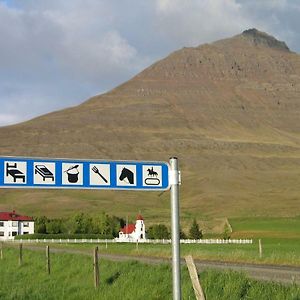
174 183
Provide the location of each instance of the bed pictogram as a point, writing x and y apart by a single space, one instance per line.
44 172
13 171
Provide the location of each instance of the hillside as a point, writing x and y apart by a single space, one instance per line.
229 110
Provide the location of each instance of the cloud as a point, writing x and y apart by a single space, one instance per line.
278 17
71 41
191 23
57 53
7 119
195 22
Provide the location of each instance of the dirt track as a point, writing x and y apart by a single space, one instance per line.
283 274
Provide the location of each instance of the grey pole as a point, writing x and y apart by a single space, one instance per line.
174 183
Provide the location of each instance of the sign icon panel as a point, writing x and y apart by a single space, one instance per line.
152 175
44 173
21 172
15 172
99 174
72 174
126 175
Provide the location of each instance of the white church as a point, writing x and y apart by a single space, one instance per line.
133 232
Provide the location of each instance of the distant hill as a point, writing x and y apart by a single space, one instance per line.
230 111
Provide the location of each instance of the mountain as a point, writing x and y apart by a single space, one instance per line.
229 110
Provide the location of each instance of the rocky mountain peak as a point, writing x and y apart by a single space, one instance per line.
261 38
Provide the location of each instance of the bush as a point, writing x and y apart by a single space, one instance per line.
80 223
195 233
182 234
159 231
226 232
40 224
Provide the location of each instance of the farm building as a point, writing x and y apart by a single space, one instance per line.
133 232
12 224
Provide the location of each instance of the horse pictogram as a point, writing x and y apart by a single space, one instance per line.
152 173
151 178
127 174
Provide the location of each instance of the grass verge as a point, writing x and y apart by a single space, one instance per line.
72 278
276 251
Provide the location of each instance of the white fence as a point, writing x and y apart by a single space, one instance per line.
146 241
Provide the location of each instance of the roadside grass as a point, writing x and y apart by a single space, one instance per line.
72 278
235 286
280 244
276 251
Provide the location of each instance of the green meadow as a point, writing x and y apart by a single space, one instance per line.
275 251
72 278
259 227
280 239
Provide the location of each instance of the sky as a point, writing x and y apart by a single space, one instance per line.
57 53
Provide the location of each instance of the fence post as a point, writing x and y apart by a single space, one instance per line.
260 248
96 268
194 278
20 254
1 251
48 259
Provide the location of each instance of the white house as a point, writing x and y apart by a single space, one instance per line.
133 232
12 224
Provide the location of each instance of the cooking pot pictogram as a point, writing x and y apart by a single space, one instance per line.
73 174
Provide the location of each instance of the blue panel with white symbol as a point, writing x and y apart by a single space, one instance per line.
20 172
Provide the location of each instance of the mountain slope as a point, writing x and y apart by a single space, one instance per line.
229 110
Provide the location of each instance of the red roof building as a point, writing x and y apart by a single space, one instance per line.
133 232
139 217
13 216
128 229
12 224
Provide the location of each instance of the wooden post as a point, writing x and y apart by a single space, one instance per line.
137 245
260 248
96 268
194 277
48 259
20 254
1 250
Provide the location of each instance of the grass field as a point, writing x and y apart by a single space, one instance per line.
280 239
266 227
72 278
275 251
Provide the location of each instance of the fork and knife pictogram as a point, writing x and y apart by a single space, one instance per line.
96 170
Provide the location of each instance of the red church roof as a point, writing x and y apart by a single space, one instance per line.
139 217
128 229
13 216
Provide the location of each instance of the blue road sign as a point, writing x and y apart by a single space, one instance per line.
21 172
